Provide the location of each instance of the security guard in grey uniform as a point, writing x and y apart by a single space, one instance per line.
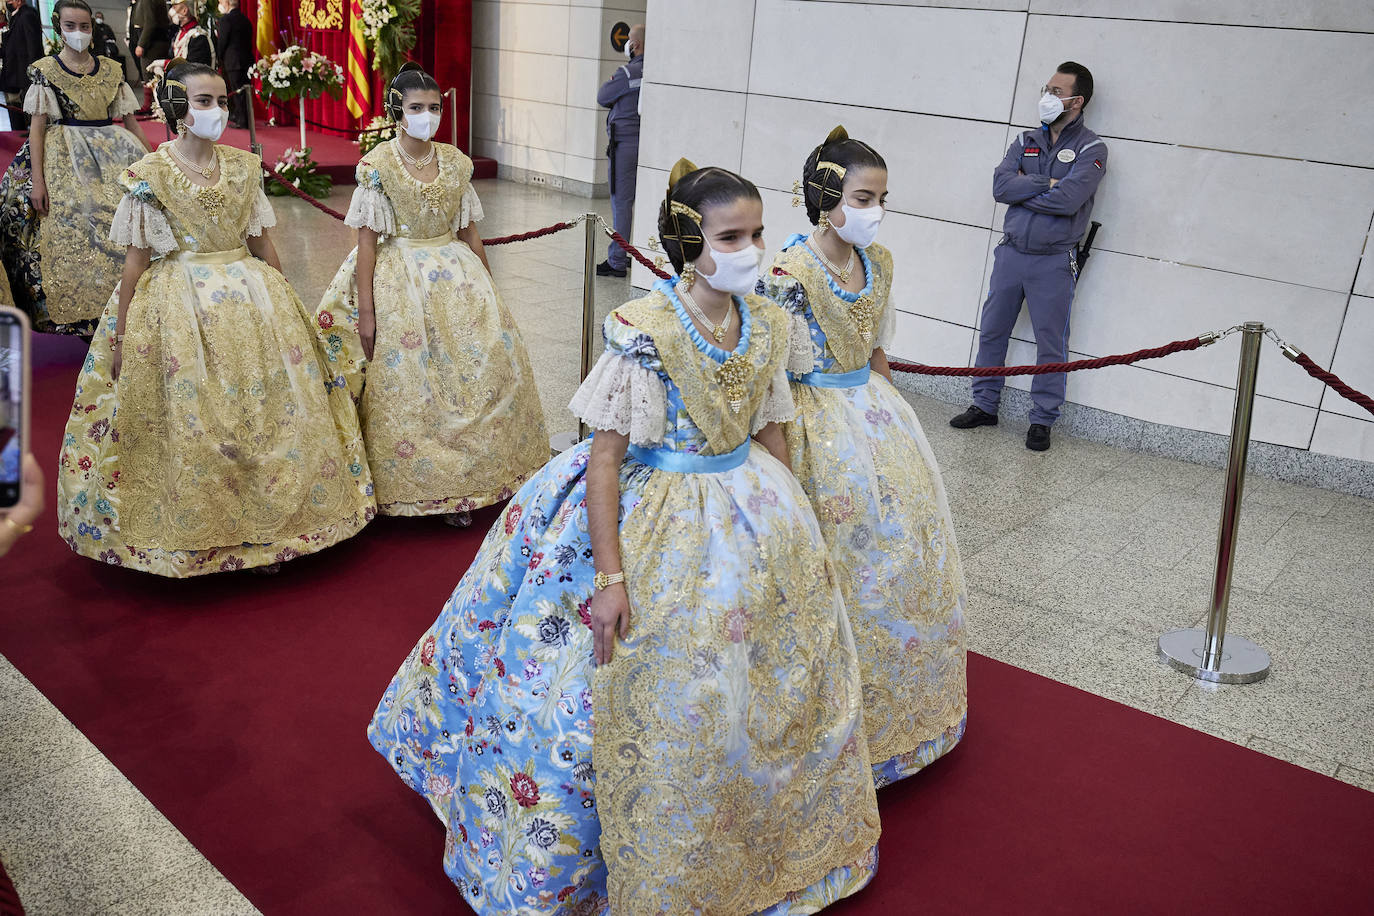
620 94
1048 179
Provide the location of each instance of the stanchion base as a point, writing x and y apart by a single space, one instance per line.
1242 661
562 442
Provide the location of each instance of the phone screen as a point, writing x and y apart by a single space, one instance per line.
12 333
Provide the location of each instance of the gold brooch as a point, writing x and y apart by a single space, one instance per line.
862 313
212 199
434 194
734 376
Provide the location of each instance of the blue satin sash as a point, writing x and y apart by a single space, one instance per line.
856 379
687 463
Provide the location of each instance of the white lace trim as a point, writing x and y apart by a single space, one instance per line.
142 225
371 209
41 100
263 216
621 395
469 211
777 406
125 103
887 328
801 358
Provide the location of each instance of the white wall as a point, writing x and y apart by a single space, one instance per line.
1240 186
536 67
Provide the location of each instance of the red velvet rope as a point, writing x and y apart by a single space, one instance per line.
499 240
634 252
1120 359
1341 388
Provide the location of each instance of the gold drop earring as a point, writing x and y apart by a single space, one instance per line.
689 274
822 224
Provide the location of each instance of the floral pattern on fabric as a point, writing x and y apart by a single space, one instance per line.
450 412
224 444
490 717
864 461
61 267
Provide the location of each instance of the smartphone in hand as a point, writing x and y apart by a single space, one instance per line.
14 403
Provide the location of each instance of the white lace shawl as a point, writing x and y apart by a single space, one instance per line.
41 100
125 103
469 211
777 406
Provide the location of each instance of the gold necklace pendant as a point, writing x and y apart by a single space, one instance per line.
734 376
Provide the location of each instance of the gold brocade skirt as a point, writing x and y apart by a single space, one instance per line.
63 265
449 408
731 769
223 444
863 460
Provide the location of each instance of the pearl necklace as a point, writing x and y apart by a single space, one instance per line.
842 274
718 331
416 164
204 171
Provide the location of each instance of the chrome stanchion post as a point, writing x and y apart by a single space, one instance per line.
452 94
565 441
1208 654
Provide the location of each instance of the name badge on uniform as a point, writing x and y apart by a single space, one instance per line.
1066 155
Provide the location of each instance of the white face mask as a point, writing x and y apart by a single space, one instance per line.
1051 107
860 225
207 123
737 272
630 51
78 41
421 126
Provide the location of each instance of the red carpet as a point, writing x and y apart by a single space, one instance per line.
238 704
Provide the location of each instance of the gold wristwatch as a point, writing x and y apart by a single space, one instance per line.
603 581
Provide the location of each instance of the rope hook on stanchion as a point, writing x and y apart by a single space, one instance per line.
1209 655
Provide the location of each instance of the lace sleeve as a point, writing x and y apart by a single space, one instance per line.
263 216
622 395
777 406
371 209
140 222
125 103
887 326
41 100
469 211
787 291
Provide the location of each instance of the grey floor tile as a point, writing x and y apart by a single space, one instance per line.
993 621
1304 759
198 888
35 738
1106 660
77 840
1361 778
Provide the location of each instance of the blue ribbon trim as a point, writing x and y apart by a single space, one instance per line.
687 463
856 379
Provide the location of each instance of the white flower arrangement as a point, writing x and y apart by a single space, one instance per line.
377 14
294 72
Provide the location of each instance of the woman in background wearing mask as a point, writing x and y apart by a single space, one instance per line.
58 196
728 772
862 457
206 434
450 412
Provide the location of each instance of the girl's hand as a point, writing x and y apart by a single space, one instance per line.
118 360
38 197
367 330
610 614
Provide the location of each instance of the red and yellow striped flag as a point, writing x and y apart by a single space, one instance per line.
267 28
358 80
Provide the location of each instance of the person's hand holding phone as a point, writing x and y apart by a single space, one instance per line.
20 519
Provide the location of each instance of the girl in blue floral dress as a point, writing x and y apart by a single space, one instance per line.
728 770
862 457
